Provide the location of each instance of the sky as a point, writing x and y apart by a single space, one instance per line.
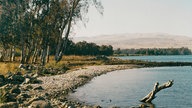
138 16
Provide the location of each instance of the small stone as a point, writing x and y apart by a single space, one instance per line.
10 97
2 77
27 80
40 104
18 73
22 97
35 75
16 90
9 105
2 80
17 79
39 88
97 106
35 81
25 95
36 98
28 87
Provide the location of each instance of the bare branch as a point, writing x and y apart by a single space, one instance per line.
156 89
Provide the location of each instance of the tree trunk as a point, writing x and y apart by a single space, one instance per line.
13 54
148 98
29 54
10 54
22 59
58 49
43 57
1 56
47 58
34 55
61 48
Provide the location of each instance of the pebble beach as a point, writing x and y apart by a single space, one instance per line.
57 87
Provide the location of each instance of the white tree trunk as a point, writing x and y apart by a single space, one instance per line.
156 89
13 53
47 58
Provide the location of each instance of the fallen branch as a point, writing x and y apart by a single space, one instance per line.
156 88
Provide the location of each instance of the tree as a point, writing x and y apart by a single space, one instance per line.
74 13
33 26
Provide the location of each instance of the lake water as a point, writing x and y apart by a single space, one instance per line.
126 87
174 58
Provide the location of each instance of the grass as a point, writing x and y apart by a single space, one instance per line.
8 67
67 63
74 62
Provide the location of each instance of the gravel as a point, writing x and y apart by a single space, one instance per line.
58 86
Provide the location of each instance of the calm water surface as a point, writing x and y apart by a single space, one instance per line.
124 88
176 58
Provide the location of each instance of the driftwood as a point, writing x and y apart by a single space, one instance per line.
148 98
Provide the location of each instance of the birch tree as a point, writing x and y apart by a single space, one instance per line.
33 25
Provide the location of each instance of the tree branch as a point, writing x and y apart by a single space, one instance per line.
156 89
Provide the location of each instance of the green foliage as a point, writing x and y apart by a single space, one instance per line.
85 48
33 26
154 51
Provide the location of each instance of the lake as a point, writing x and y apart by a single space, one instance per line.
125 88
173 58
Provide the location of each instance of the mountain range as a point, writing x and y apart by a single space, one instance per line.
140 40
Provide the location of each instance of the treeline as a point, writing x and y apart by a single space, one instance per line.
154 51
85 48
37 27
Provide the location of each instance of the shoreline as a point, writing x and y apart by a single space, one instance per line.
56 88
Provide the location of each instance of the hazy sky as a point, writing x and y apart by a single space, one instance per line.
139 16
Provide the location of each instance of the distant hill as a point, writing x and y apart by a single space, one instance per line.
140 40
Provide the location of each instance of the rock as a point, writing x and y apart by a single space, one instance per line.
34 99
69 105
15 90
97 106
9 105
18 73
11 97
2 83
115 107
35 75
22 97
6 96
143 106
2 80
40 104
27 87
21 66
39 88
16 79
27 80
2 77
